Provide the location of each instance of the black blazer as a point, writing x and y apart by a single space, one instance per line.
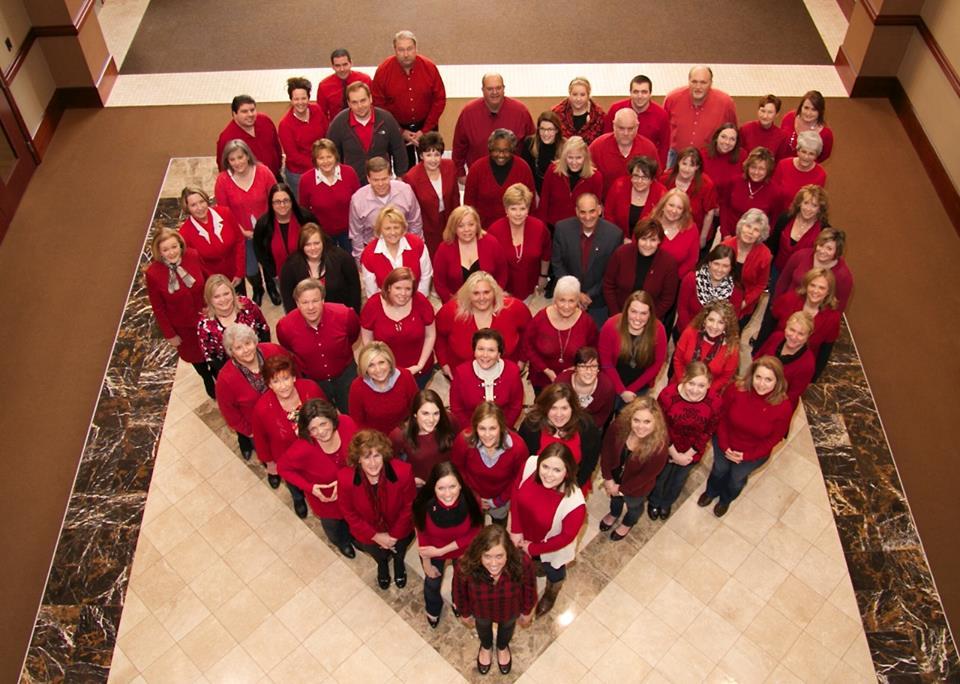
263 236
342 279
566 254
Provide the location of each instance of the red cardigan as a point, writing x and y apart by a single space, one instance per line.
434 220
688 305
661 282
466 392
826 324
305 464
226 254
523 272
177 313
455 338
609 348
689 424
545 347
722 367
273 430
754 275
751 425
494 483
330 204
395 493
735 202
297 137
448 273
236 397
558 201
382 411
616 208
484 194
638 477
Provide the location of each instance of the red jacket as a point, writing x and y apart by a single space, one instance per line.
609 348
395 493
177 313
754 275
273 430
225 254
558 201
434 220
382 411
236 397
484 194
722 366
661 282
305 464
616 208
638 477
497 482
751 425
798 370
466 392
448 273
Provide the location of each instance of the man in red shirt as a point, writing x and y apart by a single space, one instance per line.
652 119
255 129
332 91
611 152
321 336
481 117
409 86
696 110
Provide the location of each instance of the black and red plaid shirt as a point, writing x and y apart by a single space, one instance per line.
501 602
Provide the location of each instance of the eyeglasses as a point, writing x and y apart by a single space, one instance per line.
281 201
547 129
640 177
591 368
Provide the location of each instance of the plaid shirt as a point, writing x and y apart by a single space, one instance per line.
501 602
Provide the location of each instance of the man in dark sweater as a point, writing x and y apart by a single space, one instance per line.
363 132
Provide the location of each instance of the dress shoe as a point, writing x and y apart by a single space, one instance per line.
616 536
383 575
274 480
455 611
604 527
505 669
272 292
481 668
653 512
720 509
246 453
664 512
434 622
300 507
347 550
704 500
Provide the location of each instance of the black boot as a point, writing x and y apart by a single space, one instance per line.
256 282
273 292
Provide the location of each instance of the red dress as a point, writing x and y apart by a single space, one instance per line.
434 220
246 205
275 429
448 272
455 337
305 464
545 347
218 241
177 312
406 336
558 201
236 397
523 261
484 194
616 207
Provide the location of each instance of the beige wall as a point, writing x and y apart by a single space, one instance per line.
14 24
32 89
936 103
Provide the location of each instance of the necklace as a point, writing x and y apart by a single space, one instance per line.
563 343
518 252
682 185
750 191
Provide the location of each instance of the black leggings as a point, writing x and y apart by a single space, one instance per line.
504 633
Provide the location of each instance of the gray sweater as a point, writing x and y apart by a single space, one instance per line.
387 143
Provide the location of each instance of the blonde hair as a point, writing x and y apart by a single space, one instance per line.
574 144
774 365
389 213
653 442
456 216
518 193
164 234
801 318
213 282
830 301
464 307
580 80
370 351
686 219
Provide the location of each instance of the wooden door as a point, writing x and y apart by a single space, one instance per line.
17 159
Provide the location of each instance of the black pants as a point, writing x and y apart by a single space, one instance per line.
338 389
504 633
431 589
336 530
412 150
383 555
208 376
245 443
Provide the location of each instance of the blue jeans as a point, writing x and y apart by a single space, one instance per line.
727 479
293 180
669 484
431 589
634 506
343 240
253 268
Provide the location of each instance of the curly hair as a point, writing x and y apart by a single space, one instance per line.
471 563
653 442
731 330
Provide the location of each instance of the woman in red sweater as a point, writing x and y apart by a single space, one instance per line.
754 189
556 333
404 320
798 228
302 125
312 462
566 179
790 347
808 117
381 395
447 517
240 383
634 453
376 493
723 160
489 455
489 377
795 172
681 237
494 582
525 240
391 248
434 183
466 249
691 409
214 234
633 347
426 437
480 303
754 418
634 196
275 418
713 280
594 390
175 280
764 131
712 337
827 252
327 192
548 510
489 176
642 265
687 175
751 265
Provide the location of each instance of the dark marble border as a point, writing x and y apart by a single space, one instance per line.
76 628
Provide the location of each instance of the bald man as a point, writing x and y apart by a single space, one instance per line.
696 110
481 117
612 151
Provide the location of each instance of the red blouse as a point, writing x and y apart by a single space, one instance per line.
247 205
790 179
826 324
684 248
483 193
789 126
448 271
275 429
330 203
545 347
220 244
721 170
406 336
523 261
702 200
455 337
609 348
743 195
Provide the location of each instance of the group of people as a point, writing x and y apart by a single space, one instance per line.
650 229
